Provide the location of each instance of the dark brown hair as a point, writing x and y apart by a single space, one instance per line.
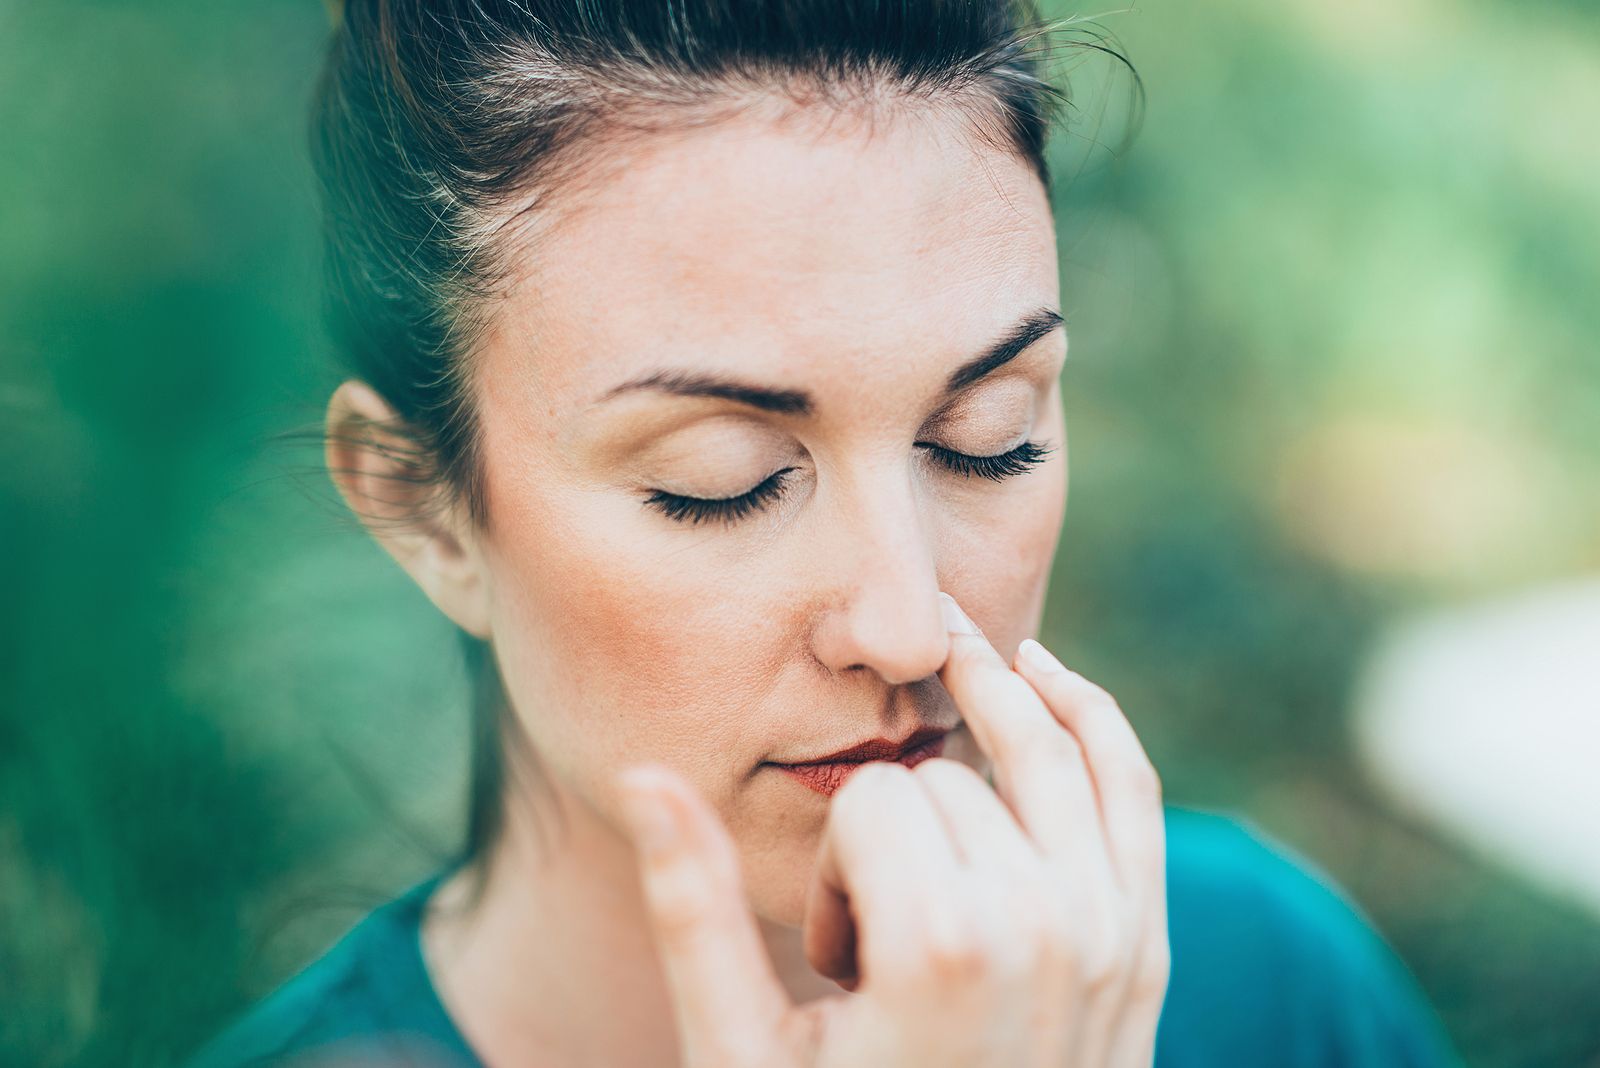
443 131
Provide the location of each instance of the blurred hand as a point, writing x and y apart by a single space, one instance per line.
1023 925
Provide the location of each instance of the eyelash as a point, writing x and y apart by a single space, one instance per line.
682 509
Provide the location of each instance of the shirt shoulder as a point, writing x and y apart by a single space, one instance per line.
365 1000
1274 963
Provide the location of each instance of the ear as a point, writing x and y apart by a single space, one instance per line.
382 477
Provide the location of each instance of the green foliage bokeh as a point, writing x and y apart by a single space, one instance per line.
228 724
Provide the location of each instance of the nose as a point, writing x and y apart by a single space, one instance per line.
884 613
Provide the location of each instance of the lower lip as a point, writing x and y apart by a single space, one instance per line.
826 778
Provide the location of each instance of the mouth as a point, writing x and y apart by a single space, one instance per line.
826 774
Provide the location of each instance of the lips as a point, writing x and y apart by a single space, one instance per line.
826 774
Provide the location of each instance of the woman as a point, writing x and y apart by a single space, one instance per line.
706 368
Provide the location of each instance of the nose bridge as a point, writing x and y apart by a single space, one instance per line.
885 563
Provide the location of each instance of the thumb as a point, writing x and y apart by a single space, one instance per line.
729 1003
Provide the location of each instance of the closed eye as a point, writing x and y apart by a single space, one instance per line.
696 510
997 468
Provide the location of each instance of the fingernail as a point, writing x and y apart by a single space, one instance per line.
1038 657
955 620
655 831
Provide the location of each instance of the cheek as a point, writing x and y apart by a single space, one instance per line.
621 647
999 559
1039 532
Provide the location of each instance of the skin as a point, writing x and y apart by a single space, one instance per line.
861 263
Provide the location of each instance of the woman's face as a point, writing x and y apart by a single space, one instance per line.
737 301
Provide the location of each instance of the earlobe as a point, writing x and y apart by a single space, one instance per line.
388 481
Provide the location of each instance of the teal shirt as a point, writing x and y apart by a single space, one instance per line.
1271 965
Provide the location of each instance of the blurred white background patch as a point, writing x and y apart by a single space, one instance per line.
1485 722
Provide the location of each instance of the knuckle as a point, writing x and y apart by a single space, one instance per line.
1086 689
1036 926
1104 956
682 908
1022 959
1049 750
1063 745
954 953
1139 777
1059 932
1048 943
1154 969
1075 690
1097 704
1099 967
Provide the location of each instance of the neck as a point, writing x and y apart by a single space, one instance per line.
555 962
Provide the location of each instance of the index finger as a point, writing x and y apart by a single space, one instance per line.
1040 771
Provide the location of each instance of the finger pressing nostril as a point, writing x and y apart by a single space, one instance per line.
955 620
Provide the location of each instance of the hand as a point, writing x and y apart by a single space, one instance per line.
1023 925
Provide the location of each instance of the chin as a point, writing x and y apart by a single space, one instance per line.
776 878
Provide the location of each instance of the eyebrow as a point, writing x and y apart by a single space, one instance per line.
1031 328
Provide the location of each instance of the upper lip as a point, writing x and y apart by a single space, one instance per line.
877 748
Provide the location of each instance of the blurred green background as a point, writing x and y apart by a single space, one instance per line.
1354 256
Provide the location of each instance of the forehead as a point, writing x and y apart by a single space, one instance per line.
796 246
